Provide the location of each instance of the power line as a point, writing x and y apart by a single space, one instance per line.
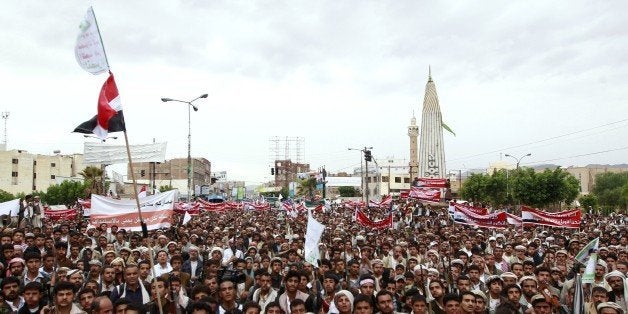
539 141
581 155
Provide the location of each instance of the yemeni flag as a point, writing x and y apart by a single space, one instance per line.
109 117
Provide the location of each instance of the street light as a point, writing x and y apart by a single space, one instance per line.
190 105
518 159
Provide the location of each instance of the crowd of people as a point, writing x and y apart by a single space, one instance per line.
252 261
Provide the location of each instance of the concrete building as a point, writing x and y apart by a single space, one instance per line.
23 172
173 172
586 175
432 146
286 171
391 176
413 133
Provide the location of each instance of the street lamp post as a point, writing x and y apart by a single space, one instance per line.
190 106
518 159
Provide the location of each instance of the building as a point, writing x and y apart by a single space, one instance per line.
432 146
413 133
587 174
23 172
286 171
391 176
173 173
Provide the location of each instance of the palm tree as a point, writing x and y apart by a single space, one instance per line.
307 187
94 179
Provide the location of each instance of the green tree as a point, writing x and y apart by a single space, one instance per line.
347 191
588 201
65 193
93 177
497 188
307 187
165 188
608 189
6 196
475 187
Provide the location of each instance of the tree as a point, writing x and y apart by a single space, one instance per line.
6 196
588 201
307 187
347 191
165 188
475 187
93 177
65 193
608 189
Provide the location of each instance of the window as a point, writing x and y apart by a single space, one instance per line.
34 162
406 180
52 176
397 179
52 165
14 174
384 179
14 161
34 175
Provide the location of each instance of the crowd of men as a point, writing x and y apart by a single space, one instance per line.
253 262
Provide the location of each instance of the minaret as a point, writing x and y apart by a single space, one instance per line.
413 133
432 148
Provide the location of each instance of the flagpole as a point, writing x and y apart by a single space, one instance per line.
102 44
139 212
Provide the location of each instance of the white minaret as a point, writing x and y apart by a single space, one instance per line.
413 133
432 148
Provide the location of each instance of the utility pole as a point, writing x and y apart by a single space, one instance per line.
5 117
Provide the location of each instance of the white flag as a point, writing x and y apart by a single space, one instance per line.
10 208
89 50
186 218
312 237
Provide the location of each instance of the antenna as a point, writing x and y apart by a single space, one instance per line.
5 117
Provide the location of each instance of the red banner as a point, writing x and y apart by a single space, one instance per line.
425 194
565 219
68 214
182 208
365 221
513 220
495 220
404 194
385 202
432 183
475 210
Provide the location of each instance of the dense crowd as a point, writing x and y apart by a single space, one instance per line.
253 262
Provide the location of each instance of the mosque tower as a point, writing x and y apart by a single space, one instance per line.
413 133
432 148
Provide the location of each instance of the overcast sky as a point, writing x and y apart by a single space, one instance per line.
512 78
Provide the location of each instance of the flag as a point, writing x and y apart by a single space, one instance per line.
109 117
589 272
578 297
446 127
10 208
142 192
89 50
586 251
186 218
312 237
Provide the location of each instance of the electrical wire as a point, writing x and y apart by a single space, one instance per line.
539 141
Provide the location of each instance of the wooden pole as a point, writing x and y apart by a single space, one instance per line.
139 212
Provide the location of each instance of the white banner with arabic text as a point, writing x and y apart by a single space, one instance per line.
156 211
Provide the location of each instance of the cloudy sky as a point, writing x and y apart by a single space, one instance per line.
540 77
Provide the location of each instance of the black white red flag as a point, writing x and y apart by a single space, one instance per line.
109 118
